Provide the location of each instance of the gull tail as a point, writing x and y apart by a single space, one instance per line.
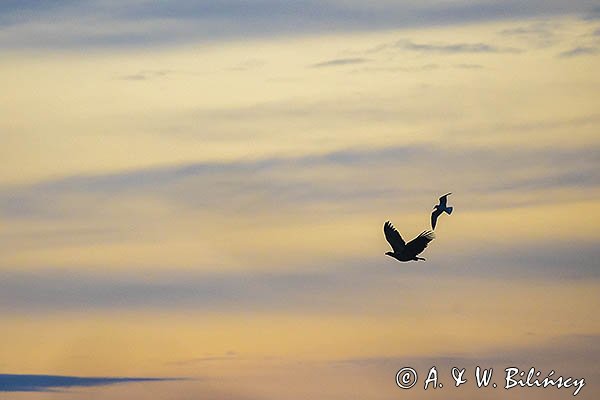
449 210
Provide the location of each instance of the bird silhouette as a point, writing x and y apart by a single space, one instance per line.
406 251
438 209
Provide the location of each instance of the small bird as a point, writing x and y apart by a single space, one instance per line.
406 251
438 209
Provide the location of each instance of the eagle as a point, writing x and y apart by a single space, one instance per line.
406 251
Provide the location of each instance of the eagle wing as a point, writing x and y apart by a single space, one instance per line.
393 237
418 244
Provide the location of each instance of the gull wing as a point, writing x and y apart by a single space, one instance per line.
418 244
393 237
444 200
434 216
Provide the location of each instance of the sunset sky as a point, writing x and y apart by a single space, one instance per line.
193 194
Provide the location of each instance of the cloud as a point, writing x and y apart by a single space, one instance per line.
146 75
586 120
344 285
443 48
49 383
578 350
246 65
580 178
395 69
97 23
296 182
230 182
539 34
579 51
592 15
340 61
570 355
229 356
71 290
525 31
469 66
453 48
568 260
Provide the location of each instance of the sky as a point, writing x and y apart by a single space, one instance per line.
193 197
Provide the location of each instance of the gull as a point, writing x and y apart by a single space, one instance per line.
438 209
406 251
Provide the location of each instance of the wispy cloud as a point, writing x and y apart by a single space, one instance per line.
48 383
539 34
442 47
579 51
229 356
64 290
454 48
574 353
592 15
282 180
247 65
146 75
469 66
396 69
339 286
339 62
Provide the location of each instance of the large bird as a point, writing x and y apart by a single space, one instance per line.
406 251
438 209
